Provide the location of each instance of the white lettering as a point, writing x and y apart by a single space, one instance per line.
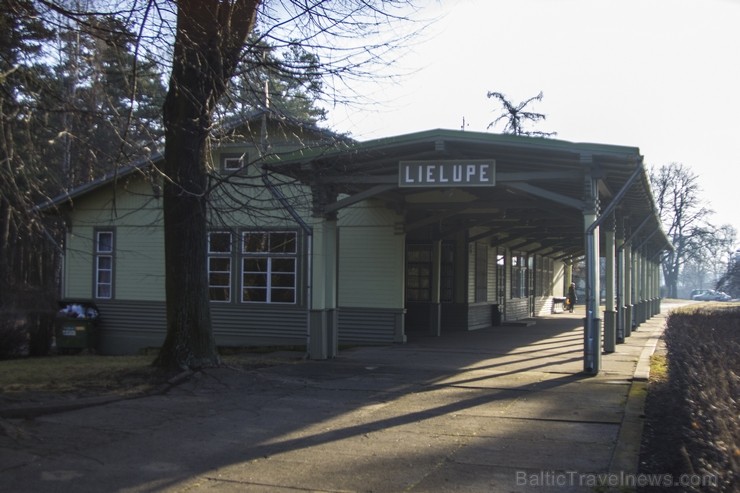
457 173
483 173
408 178
430 173
442 178
446 173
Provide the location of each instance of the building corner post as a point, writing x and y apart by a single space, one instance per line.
323 316
592 322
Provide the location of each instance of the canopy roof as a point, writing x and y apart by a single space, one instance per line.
541 187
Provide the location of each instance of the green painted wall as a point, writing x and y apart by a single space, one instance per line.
243 200
371 257
134 215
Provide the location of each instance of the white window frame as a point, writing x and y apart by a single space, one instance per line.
234 162
269 256
104 254
223 256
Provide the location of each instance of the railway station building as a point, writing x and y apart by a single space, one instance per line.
319 240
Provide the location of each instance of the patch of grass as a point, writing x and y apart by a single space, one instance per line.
68 374
658 368
39 378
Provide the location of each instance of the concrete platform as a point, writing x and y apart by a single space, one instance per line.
505 409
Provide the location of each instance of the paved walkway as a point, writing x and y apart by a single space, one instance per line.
506 409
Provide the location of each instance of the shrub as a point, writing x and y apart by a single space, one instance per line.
40 328
704 373
13 336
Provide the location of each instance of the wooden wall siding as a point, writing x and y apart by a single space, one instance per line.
543 306
370 267
246 201
78 264
126 327
138 268
367 326
517 308
492 295
368 213
132 204
139 263
371 258
470 298
480 316
135 216
237 325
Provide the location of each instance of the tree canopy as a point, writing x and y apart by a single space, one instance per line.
516 117
85 90
699 245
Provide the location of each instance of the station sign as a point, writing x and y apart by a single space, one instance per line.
447 173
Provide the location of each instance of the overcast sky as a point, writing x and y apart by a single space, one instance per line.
661 75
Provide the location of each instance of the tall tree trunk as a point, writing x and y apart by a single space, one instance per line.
209 40
670 274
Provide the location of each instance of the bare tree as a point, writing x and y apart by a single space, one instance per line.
202 42
730 280
209 41
28 253
211 37
516 116
685 217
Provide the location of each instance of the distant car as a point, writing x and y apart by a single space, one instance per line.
697 292
712 295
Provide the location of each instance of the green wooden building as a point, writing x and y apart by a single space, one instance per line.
321 241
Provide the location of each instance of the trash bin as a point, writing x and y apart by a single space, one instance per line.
75 326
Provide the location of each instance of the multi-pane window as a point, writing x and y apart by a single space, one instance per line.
521 268
547 275
501 277
543 276
269 266
517 273
104 264
219 266
419 273
529 276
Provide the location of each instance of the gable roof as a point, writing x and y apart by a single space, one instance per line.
145 164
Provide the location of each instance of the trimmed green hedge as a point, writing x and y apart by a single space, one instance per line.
703 344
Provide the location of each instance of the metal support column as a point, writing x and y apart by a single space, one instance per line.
610 314
641 295
592 322
629 291
620 280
